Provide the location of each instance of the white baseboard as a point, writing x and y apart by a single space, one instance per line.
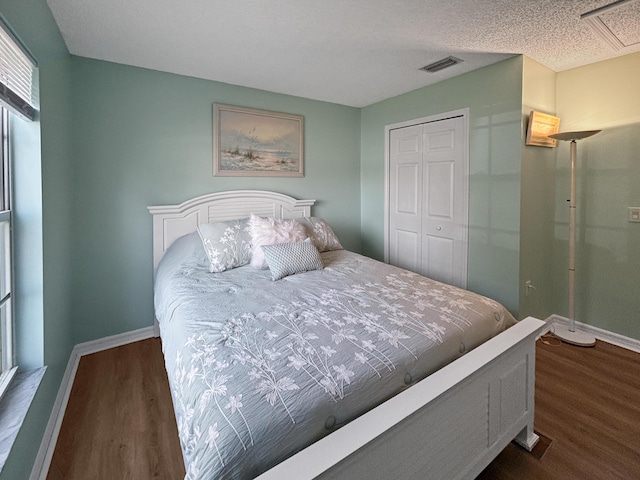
113 341
599 333
47 446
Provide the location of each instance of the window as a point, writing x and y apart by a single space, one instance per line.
17 91
17 95
7 367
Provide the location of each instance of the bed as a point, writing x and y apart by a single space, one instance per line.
249 358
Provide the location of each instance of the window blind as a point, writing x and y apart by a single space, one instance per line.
16 77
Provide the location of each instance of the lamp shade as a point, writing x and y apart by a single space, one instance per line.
568 136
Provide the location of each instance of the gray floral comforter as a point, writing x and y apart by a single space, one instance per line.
260 369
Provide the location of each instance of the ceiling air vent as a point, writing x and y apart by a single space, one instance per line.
616 23
441 64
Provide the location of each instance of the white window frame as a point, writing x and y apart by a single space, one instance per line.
18 95
8 368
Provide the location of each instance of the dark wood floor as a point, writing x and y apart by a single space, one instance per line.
588 404
119 422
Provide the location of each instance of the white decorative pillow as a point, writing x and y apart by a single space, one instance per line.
227 244
320 233
286 259
269 231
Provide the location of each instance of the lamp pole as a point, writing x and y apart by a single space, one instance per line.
569 334
572 236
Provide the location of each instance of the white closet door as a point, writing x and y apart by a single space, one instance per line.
442 195
428 199
405 190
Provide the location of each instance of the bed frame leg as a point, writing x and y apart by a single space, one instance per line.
527 438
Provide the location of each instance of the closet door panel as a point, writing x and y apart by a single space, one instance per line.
405 192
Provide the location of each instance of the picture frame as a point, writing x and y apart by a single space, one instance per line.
541 125
249 142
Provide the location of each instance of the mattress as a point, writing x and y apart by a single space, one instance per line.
260 369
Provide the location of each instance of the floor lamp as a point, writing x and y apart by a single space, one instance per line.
569 334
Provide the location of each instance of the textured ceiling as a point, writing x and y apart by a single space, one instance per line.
351 52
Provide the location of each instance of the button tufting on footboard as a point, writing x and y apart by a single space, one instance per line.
408 379
462 347
330 422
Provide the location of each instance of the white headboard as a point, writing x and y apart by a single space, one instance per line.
170 222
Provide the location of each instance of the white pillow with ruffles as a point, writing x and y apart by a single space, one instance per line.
270 231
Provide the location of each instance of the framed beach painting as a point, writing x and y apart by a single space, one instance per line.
251 142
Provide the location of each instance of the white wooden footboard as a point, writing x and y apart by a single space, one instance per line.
449 426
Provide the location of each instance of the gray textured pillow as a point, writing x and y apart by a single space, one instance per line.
227 244
320 233
286 259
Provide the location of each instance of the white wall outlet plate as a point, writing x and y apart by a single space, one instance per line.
634 214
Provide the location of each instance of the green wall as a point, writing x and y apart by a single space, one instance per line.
537 206
494 97
142 137
607 245
42 224
602 95
607 252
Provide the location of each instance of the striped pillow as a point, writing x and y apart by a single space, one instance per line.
286 259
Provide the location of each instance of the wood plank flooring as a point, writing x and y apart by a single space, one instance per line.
119 422
588 404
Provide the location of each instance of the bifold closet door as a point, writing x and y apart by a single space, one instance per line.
427 195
